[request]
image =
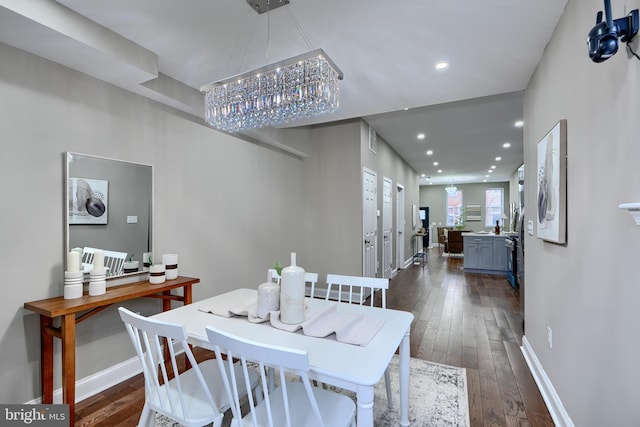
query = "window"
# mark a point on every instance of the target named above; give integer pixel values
(454, 207)
(494, 206)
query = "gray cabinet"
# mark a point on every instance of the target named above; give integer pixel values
(486, 253)
(500, 254)
(478, 252)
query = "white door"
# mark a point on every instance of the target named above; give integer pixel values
(399, 226)
(370, 223)
(387, 227)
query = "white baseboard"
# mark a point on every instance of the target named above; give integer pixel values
(408, 263)
(556, 409)
(88, 386)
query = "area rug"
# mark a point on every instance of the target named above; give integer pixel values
(438, 397)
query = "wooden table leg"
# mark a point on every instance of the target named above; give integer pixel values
(46, 359)
(68, 338)
(188, 295)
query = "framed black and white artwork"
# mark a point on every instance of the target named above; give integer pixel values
(552, 185)
(88, 201)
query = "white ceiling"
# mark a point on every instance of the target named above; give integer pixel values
(167, 49)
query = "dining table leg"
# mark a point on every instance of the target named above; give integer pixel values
(404, 369)
(364, 399)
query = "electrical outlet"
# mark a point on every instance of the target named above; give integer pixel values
(550, 336)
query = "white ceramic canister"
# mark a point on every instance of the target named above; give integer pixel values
(131, 266)
(268, 297)
(156, 274)
(73, 291)
(170, 262)
(97, 282)
(147, 259)
(292, 290)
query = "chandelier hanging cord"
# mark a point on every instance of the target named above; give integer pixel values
(227, 68)
(299, 27)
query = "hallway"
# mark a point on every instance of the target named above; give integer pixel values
(472, 321)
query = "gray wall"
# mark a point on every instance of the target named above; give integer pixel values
(435, 197)
(332, 209)
(229, 208)
(587, 290)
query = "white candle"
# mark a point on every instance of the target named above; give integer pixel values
(73, 261)
(98, 260)
(80, 252)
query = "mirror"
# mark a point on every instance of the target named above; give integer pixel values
(108, 206)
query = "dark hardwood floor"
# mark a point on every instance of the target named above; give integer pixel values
(467, 320)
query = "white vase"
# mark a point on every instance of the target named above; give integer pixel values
(292, 293)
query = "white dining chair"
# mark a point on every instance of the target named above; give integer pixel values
(310, 279)
(356, 291)
(195, 397)
(113, 261)
(293, 402)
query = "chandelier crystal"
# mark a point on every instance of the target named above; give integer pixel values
(300, 87)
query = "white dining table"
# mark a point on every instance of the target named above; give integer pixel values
(352, 367)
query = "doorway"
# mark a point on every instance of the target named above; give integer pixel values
(424, 217)
(387, 227)
(369, 222)
(400, 222)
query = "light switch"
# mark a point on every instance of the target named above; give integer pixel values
(132, 219)
(530, 227)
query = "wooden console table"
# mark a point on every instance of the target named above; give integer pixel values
(68, 310)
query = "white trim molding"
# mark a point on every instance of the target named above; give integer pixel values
(556, 409)
(94, 384)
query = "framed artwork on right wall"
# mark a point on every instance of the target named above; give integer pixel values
(552, 185)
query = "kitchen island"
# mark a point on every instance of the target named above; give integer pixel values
(485, 253)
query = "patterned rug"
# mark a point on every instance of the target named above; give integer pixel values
(438, 397)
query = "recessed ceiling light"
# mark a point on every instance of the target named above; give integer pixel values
(431, 183)
(435, 163)
(439, 170)
(429, 152)
(406, 108)
(519, 124)
(442, 65)
(486, 176)
(490, 171)
(493, 166)
(423, 175)
(498, 158)
(484, 180)
(506, 145)
(421, 136)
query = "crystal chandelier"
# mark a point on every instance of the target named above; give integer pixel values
(300, 87)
